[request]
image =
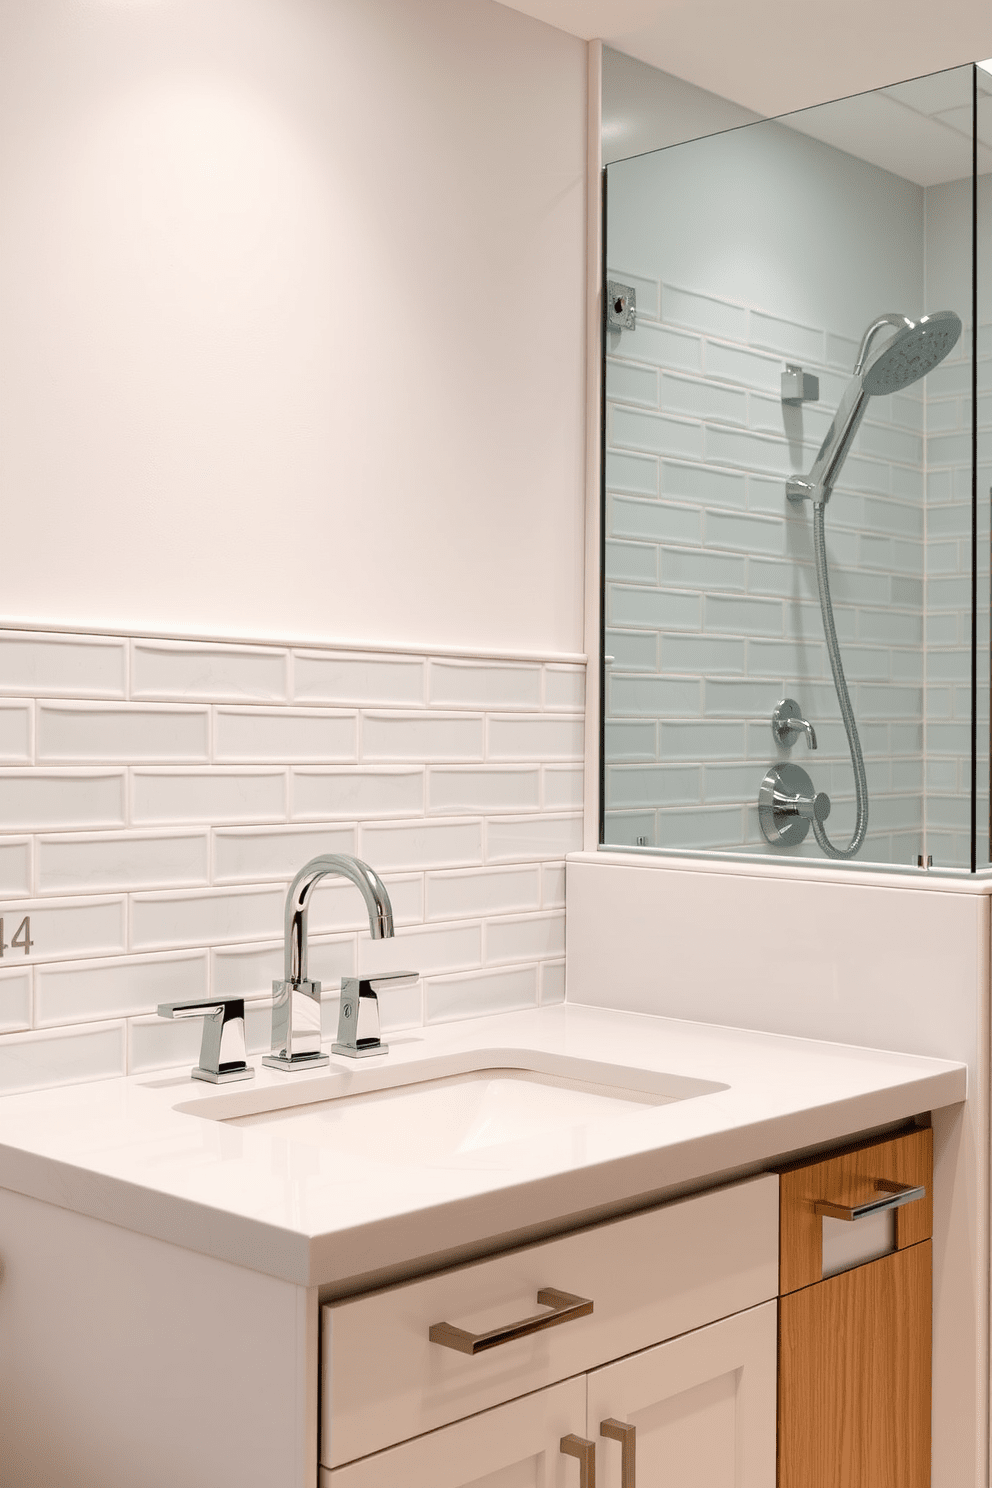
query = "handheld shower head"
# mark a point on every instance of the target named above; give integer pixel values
(913, 351)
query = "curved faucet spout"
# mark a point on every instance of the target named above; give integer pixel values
(365, 879)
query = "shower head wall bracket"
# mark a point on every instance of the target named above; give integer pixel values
(799, 386)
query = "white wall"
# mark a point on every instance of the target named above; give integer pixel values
(291, 308)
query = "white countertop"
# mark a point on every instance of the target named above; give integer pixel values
(119, 1151)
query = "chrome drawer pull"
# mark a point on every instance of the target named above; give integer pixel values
(585, 1451)
(895, 1195)
(564, 1307)
(627, 1437)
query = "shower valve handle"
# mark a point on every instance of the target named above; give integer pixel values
(788, 803)
(810, 808)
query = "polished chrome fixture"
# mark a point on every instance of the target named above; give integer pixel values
(222, 1048)
(296, 999)
(913, 350)
(799, 386)
(788, 805)
(358, 1019)
(788, 723)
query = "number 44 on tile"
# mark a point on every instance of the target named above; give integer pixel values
(20, 940)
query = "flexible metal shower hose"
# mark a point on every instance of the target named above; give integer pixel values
(843, 698)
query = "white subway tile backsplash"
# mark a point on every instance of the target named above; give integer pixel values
(453, 997)
(552, 974)
(322, 678)
(128, 732)
(440, 844)
(459, 684)
(356, 793)
(205, 916)
(215, 795)
(38, 1060)
(509, 837)
(477, 892)
(82, 991)
(16, 733)
(466, 789)
(15, 999)
(41, 800)
(34, 665)
(256, 734)
(531, 937)
(250, 854)
(423, 736)
(534, 736)
(210, 673)
(84, 862)
(173, 823)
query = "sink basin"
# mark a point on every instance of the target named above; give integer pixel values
(444, 1108)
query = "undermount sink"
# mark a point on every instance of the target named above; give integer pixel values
(448, 1107)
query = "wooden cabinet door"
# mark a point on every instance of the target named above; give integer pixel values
(702, 1407)
(512, 1446)
(854, 1377)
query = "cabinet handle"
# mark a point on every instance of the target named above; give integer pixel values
(585, 1451)
(564, 1307)
(627, 1437)
(895, 1195)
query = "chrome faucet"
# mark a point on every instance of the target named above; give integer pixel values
(296, 999)
(788, 723)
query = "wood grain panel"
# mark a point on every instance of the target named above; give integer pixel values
(854, 1377)
(850, 1178)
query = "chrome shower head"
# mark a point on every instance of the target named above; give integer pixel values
(914, 350)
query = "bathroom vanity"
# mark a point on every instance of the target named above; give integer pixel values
(232, 1287)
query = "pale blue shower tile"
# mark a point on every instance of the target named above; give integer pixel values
(627, 383)
(655, 608)
(707, 827)
(734, 364)
(786, 337)
(653, 432)
(696, 741)
(702, 483)
(652, 785)
(697, 398)
(660, 347)
(634, 562)
(652, 697)
(631, 473)
(748, 534)
(749, 452)
(760, 617)
(653, 521)
(703, 313)
(703, 655)
(726, 697)
(634, 740)
(633, 650)
(897, 518)
(701, 569)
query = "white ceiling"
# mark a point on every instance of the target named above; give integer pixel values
(774, 56)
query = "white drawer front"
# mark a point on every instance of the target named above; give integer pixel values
(650, 1277)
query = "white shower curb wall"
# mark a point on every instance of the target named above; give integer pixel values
(866, 958)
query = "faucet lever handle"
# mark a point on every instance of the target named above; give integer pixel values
(222, 1049)
(358, 1019)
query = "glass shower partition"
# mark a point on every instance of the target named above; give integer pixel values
(799, 330)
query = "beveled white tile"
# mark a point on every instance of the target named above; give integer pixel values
(562, 787)
(421, 844)
(421, 736)
(509, 838)
(73, 926)
(257, 734)
(552, 982)
(450, 998)
(356, 792)
(322, 677)
(483, 891)
(197, 917)
(16, 733)
(50, 800)
(85, 862)
(39, 1060)
(531, 937)
(251, 854)
(424, 949)
(213, 673)
(15, 865)
(250, 970)
(15, 999)
(534, 736)
(34, 663)
(218, 794)
(81, 991)
(468, 684)
(468, 788)
(106, 733)
(553, 886)
(161, 1043)
(565, 687)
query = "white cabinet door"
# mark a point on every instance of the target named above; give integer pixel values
(513, 1446)
(702, 1407)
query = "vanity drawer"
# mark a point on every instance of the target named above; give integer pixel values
(858, 1177)
(649, 1277)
